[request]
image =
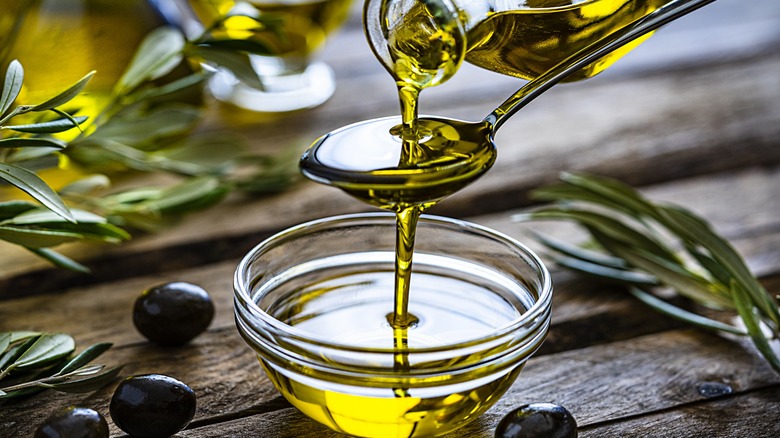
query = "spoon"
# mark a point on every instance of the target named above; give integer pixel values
(363, 159)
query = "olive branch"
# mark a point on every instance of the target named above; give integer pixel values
(146, 127)
(648, 246)
(31, 362)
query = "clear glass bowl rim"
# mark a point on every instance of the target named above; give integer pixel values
(530, 321)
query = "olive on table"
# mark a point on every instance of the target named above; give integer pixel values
(73, 422)
(173, 313)
(537, 420)
(152, 406)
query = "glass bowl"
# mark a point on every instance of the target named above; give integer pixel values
(313, 303)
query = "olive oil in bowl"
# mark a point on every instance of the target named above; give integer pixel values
(315, 304)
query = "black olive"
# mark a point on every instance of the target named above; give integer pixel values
(173, 313)
(73, 422)
(537, 420)
(152, 406)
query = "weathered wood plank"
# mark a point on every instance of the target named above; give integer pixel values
(218, 366)
(598, 383)
(229, 383)
(753, 414)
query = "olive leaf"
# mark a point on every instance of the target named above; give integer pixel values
(647, 245)
(138, 129)
(58, 259)
(9, 338)
(36, 238)
(237, 62)
(241, 45)
(50, 127)
(38, 228)
(85, 357)
(49, 363)
(157, 55)
(155, 93)
(9, 209)
(38, 215)
(86, 382)
(142, 128)
(65, 96)
(34, 186)
(48, 348)
(44, 350)
(684, 315)
(13, 353)
(31, 142)
(12, 85)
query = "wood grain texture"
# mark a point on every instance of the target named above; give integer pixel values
(692, 117)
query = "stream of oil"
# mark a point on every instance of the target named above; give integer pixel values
(407, 164)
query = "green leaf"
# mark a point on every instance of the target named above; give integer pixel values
(615, 275)
(50, 127)
(48, 348)
(85, 357)
(240, 45)
(10, 209)
(34, 157)
(170, 87)
(676, 276)
(36, 238)
(58, 259)
(86, 185)
(206, 153)
(742, 300)
(609, 226)
(66, 96)
(34, 186)
(156, 56)
(11, 355)
(167, 121)
(192, 194)
(611, 192)
(45, 234)
(684, 315)
(31, 142)
(697, 232)
(89, 383)
(238, 63)
(9, 338)
(109, 153)
(39, 216)
(718, 272)
(581, 253)
(14, 76)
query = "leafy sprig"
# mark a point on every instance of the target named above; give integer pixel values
(32, 362)
(146, 126)
(648, 245)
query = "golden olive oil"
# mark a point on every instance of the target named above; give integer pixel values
(539, 34)
(407, 167)
(449, 310)
(374, 162)
(426, 415)
(296, 29)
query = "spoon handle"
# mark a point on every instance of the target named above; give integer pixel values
(531, 90)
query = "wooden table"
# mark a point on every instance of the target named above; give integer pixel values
(691, 117)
